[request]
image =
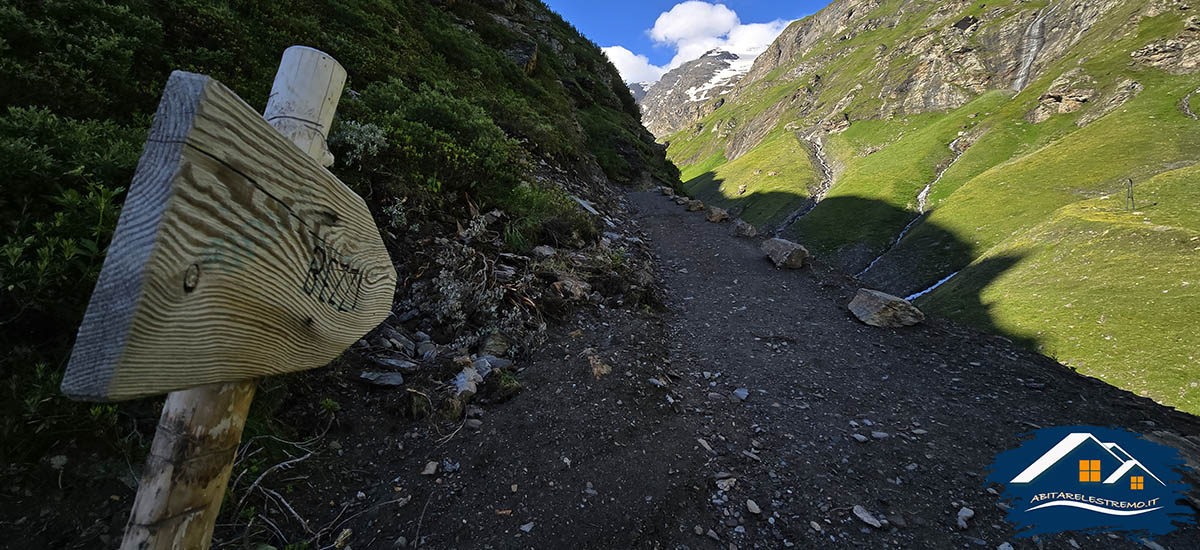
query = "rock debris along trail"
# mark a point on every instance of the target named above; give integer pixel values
(755, 412)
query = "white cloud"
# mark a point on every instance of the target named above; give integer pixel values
(693, 20)
(752, 39)
(693, 28)
(633, 67)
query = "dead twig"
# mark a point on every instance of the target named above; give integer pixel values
(284, 464)
(288, 506)
(330, 527)
(417, 537)
(445, 439)
(278, 532)
(403, 500)
(301, 444)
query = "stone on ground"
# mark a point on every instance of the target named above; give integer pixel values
(694, 205)
(964, 514)
(866, 516)
(785, 253)
(743, 229)
(880, 309)
(716, 215)
(385, 379)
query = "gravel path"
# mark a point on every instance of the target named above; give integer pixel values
(900, 422)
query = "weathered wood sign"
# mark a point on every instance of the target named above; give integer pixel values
(237, 255)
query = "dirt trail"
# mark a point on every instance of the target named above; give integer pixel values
(623, 461)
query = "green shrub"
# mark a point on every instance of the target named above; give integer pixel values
(61, 202)
(439, 142)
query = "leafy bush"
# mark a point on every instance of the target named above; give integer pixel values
(437, 142)
(61, 202)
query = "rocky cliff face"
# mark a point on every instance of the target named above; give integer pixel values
(691, 91)
(955, 53)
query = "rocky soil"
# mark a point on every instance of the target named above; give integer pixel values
(754, 412)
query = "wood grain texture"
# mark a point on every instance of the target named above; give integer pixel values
(237, 256)
(188, 468)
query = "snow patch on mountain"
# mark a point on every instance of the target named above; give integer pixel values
(721, 80)
(685, 92)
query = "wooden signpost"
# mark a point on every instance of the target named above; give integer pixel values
(237, 256)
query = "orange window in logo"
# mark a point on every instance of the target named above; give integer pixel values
(1089, 471)
(1135, 482)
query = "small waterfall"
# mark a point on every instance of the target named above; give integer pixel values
(930, 289)
(921, 198)
(1035, 38)
(822, 189)
(903, 232)
(924, 194)
(1185, 105)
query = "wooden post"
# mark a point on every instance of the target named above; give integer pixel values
(184, 479)
(192, 455)
(303, 98)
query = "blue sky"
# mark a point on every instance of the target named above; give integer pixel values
(645, 38)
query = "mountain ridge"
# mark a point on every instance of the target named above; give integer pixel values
(691, 90)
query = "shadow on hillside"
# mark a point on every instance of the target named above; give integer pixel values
(851, 233)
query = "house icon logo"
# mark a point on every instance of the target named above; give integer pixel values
(1092, 478)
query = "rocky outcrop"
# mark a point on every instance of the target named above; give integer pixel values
(1066, 94)
(524, 55)
(686, 93)
(1124, 91)
(639, 90)
(880, 309)
(1179, 55)
(785, 253)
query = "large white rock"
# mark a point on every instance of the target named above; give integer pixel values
(880, 309)
(785, 253)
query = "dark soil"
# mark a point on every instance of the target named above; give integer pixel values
(622, 459)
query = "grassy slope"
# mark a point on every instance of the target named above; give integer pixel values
(1109, 292)
(777, 175)
(891, 177)
(1020, 207)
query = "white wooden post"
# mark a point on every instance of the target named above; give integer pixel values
(191, 458)
(303, 98)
